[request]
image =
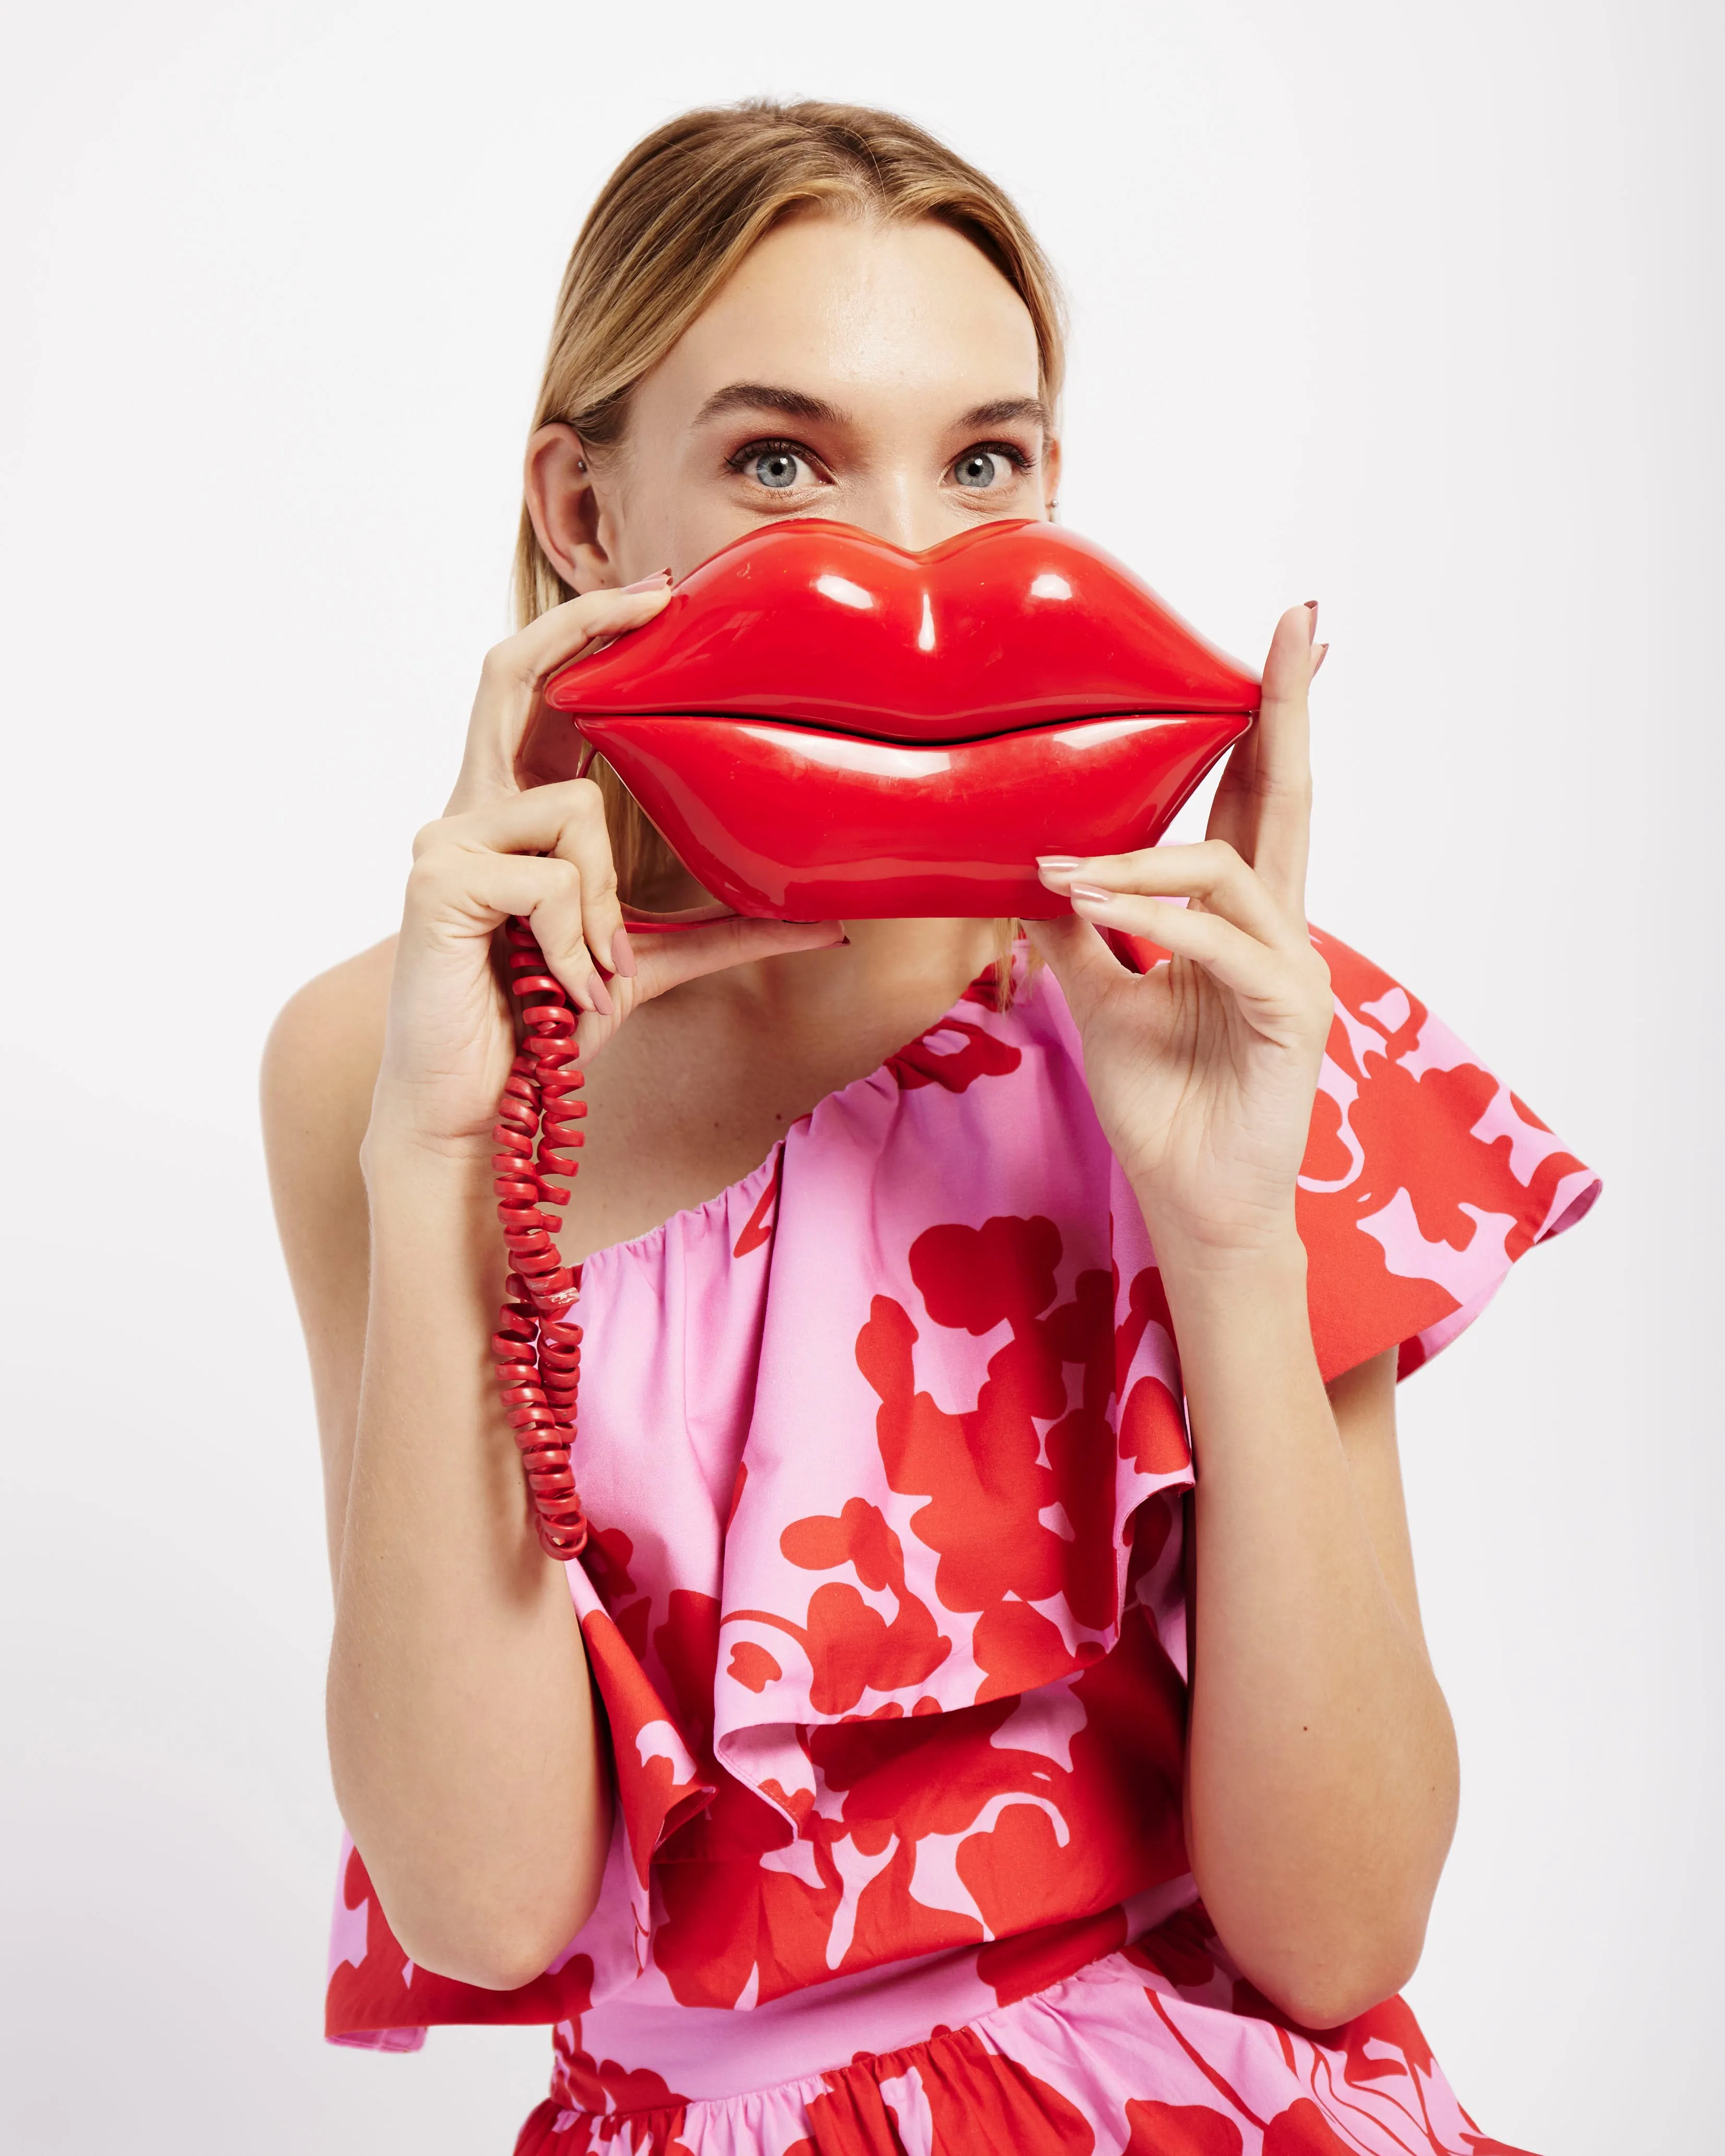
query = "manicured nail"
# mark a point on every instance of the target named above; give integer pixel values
(1322, 653)
(601, 995)
(1058, 862)
(1093, 894)
(649, 583)
(622, 955)
(1311, 625)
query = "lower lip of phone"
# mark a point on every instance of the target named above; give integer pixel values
(795, 823)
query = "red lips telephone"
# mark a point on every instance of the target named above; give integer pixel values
(824, 726)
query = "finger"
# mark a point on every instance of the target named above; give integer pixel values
(664, 962)
(566, 822)
(530, 820)
(1280, 819)
(1213, 872)
(1078, 959)
(515, 670)
(584, 841)
(470, 893)
(1231, 806)
(1239, 962)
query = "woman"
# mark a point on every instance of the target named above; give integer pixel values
(858, 1791)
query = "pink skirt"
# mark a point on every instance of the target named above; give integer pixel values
(1066, 2071)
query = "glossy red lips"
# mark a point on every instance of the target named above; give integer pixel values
(824, 726)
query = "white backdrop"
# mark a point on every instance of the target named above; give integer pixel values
(1408, 308)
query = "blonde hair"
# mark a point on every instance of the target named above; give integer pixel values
(671, 224)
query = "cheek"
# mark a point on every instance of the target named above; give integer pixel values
(675, 523)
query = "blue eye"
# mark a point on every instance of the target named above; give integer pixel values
(775, 468)
(981, 468)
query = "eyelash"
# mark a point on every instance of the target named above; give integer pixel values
(769, 446)
(1016, 457)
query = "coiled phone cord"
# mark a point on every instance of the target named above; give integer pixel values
(536, 1355)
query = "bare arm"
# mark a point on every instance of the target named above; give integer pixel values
(1320, 1775)
(463, 1731)
(320, 1070)
(1321, 1768)
(462, 1723)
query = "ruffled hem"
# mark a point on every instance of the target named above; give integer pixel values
(1116, 2060)
(1425, 1180)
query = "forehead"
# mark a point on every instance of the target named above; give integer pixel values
(849, 309)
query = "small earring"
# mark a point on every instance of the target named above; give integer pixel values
(579, 465)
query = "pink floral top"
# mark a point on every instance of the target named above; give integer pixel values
(887, 1455)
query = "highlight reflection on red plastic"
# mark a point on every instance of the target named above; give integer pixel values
(823, 726)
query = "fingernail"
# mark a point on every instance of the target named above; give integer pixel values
(1311, 625)
(1059, 862)
(622, 955)
(649, 583)
(601, 996)
(579, 996)
(1093, 894)
(1322, 653)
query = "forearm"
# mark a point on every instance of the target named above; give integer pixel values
(461, 1718)
(1321, 1767)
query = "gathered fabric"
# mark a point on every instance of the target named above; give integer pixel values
(886, 1452)
(1064, 2071)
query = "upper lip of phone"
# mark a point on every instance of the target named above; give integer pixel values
(923, 712)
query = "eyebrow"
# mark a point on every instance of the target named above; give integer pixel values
(798, 404)
(768, 397)
(1005, 410)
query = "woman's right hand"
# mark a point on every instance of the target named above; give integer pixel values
(542, 852)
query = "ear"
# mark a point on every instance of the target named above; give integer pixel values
(569, 515)
(1051, 475)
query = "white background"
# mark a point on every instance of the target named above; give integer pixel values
(1408, 308)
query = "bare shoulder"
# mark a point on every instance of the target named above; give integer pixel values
(323, 1051)
(320, 1067)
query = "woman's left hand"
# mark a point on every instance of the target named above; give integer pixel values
(1204, 1070)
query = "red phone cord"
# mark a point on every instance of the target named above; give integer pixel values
(536, 1355)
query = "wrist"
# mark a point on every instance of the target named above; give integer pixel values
(1261, 1250)
(1240, 1317)
(432, 1218)
(399, 1162)
(1222, 1275)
